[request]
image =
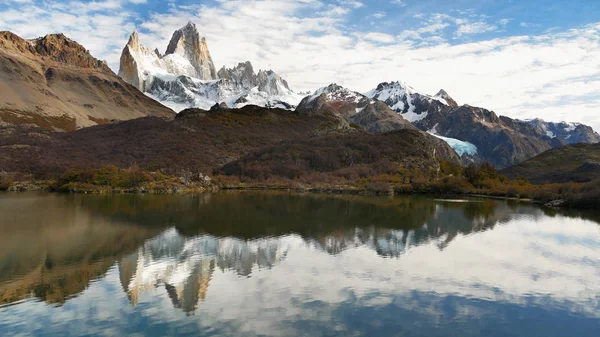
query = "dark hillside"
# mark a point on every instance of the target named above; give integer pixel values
(350, 156)
(201, 141)
(571, 163)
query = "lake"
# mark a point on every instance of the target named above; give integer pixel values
(282, 264)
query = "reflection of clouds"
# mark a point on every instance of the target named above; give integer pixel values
(551, 263)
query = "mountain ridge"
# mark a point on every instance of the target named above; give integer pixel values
(55, 83)
(185, 76)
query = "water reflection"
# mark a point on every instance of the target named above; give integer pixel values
(185, 265)
(281, 264)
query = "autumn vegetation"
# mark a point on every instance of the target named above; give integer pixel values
(256, 148)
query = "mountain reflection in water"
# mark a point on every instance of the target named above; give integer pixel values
(274, 258)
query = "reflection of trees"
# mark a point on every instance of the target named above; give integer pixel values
(256, 214)
(54, 250)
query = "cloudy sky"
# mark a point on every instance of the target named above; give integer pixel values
(536, 58)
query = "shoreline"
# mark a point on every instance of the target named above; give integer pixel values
(47, 186)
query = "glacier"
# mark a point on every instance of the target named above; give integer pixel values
(461, 147)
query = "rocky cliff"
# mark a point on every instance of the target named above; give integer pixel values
(55, 83)
(185, 76)
(187, 43)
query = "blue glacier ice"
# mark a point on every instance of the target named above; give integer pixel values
(461, 147)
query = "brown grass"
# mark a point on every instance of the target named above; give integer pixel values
(51, 123)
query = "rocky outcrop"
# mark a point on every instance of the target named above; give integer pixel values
(188, 43)
(56, 47)
(141, 66)
(55, 83)
(241, 76)
(271, 83)
(129, 68)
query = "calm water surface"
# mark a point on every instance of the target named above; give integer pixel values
(269, 264)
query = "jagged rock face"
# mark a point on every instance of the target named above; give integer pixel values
(55, 83)
(62, 49)
(188, 43)
(238, 87)
(57, 47)
(353, 107)
(141, 66)
(129, 67)
(271, 83)
(185, 76)
(241, 76)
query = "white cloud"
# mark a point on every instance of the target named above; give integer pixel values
(400, 3)
(351, 3)
(475, 28)
(504, 22)
(378, 15)
(379, 37)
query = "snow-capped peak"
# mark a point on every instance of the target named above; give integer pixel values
(271, 83)
(335, 92)
(444, 98)
(185, 76)
(406, 100)
(188, 43)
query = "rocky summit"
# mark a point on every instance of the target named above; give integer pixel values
(185, 76)
(187, 42)
(55, 83)
(352, 107)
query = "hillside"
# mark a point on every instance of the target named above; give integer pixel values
(576, 163)
(196, 140)
(54, 83)
(350, 156)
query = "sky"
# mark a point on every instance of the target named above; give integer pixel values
(523, 59)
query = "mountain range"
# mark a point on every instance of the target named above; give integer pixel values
(55, 84)
(185, 76)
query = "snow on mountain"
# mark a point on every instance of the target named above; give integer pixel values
(570, 133)
(406, 100)
(353, 108)
(186, 77)
(335, 92)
